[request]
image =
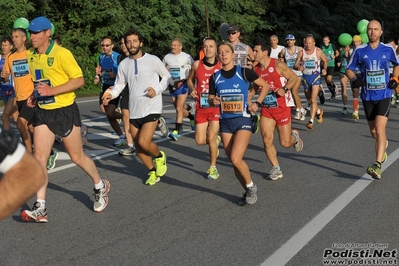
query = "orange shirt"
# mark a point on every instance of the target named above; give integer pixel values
(17, 65)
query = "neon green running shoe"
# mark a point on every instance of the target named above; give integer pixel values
(152, 178)
(375, 171)
(213, 173)
(160, 164)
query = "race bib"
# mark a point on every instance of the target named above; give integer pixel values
(106, 77)
(232, 104)
(175, 73)
(204, 100)
(43, 99)
(310, 64)
(375, 79)
(20, 68)
(291, 63)
(270, 101)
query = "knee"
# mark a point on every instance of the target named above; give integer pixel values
(77, 158)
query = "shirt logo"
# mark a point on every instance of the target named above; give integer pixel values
(50, 61)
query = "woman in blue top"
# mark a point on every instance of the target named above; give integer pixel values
(228, 89)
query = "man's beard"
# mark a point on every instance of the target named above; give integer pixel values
(135, 52)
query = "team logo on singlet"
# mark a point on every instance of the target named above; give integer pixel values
(271, 69)
(50, 61)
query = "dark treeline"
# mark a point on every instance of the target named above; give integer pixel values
(82, 23)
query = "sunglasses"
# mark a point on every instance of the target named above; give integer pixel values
(290, 40)
(106, 45)
(232, 32)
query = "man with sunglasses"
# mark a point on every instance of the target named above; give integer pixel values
(106, 70)
(243, 52)
(289, 55)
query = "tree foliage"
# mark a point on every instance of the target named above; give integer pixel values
(82, 23)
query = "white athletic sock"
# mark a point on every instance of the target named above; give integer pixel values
(42, 203)
(99, 185)
(250, 184)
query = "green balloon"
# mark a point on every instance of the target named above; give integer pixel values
(344, 39)
(362, 25)
(365, 38)
(52, 29)
(21, 23)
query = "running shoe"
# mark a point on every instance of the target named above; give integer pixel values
(319, 117)
(127, 152)
(192, 124)
(192, 108)
(385, 157)
(218, 140)
(355, 116)
(174, 135)
(344, 111)
(298, 114)
(152, 178)
(101, 196)
(249, 197)
(213, 173)
(255, 123)
(121, 141)
(397, 103)
(309, 106)
(393, 99)
(303, 114)
(322, 98)
(51, 160)
(160, 164)
(37, 214)
(298, 145)
(85, 134)
(309, 125)
(163, 127)
(275, 174)
(374, 170)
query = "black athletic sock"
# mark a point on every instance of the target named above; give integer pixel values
(190, 116)
(178, 126)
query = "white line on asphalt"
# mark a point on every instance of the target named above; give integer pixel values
(288, 250)
(101, 154)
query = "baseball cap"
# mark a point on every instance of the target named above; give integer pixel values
(290, 37)
(233, 28)
(39, 24)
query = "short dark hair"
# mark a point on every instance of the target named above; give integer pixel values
(133, 32)
(264, 46)
(7, 39)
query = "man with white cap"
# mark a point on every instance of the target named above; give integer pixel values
(289, 55)
(56, 75)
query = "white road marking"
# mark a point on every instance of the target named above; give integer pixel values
(288, 250)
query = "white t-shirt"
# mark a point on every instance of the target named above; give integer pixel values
(275, 52)
(140, 74)
(178, 65)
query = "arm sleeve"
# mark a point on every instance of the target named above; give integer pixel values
(212, 89)
(249, 74)
(120, 83)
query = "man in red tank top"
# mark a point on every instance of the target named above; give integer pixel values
(276, 107)
(207, 117)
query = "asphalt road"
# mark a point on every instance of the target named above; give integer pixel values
(324, 201)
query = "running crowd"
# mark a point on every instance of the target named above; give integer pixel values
(238, 90)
